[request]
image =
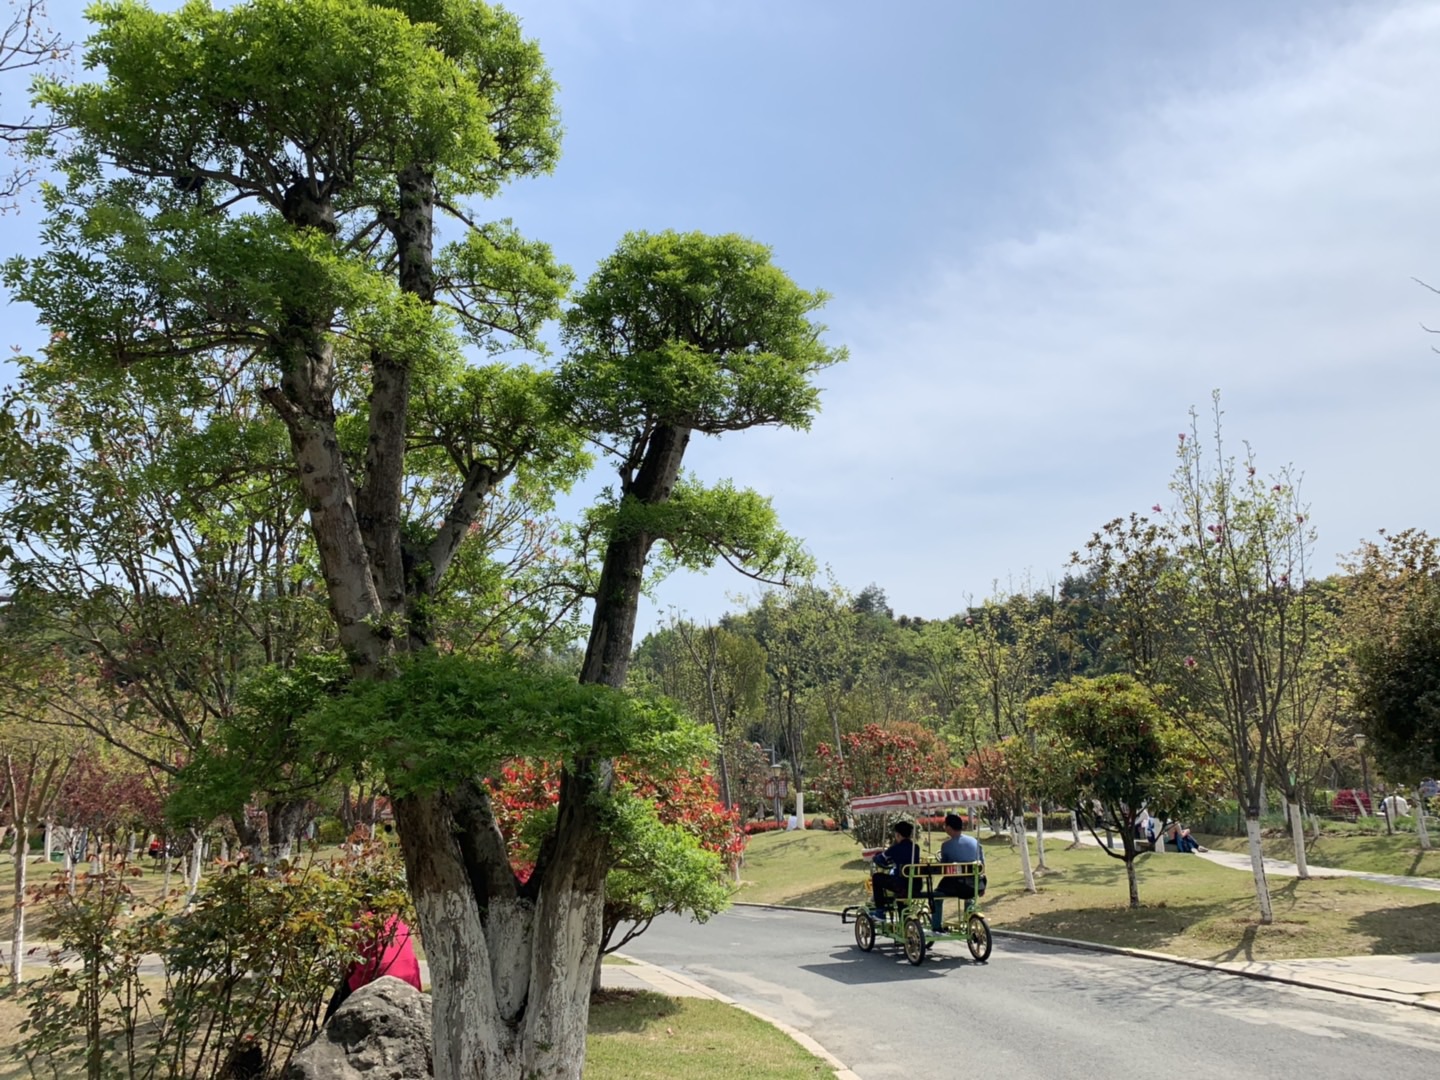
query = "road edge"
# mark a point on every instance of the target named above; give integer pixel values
(1390, 996)
(841, 1070)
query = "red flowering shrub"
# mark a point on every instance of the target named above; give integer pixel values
(880, 759)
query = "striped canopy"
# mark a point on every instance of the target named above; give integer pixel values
(922, 799)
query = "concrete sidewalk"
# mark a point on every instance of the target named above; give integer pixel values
(1280, 868)
(1413, 979)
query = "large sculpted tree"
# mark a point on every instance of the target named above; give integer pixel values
(263, 183)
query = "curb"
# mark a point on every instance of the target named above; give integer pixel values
(842, 1071)
(1389, 996)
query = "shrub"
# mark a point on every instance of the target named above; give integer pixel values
(250, 963)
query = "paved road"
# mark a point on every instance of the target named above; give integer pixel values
(1035, 1011)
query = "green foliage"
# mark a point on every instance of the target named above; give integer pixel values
(1398, 689)
(445, 719)
(1109, 749)
(659, 868)
(696, 331)
(258, 751)
(250, 963)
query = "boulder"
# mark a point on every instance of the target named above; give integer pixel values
(381, 1032)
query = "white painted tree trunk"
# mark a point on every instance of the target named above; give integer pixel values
(70, 861)
(165, 881)
(1257, 867)
(197, 860)
(1017, 828)
(1040, 835)
(49, 841)
(1420, 830)
(800, 809)
(1297, 833)
(1074, 830)
(17, 935)
(224, 850)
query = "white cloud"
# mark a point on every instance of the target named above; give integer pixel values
(1256, 235)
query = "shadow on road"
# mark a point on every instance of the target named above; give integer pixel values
(885, 965)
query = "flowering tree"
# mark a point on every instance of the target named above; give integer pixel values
(1243, 543)
(877, 759)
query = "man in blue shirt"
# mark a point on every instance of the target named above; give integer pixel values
(888, 881)
(962, 849)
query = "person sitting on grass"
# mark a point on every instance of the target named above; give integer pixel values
(1183, 841)
(888, 880)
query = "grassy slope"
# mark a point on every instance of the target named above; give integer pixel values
(1190, 906)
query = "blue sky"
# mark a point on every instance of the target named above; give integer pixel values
(1049, 229)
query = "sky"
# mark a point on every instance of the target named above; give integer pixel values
(1048, 230)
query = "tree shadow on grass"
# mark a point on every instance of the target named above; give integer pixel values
(614, 1011)
(1245, 946)
(1414, 929)
(1145, 927)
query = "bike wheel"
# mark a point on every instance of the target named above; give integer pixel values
(864, 931)
(977, 936)
(914, 941)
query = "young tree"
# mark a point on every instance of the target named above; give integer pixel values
(1115, 754)
(1244, 545)
(33, 767)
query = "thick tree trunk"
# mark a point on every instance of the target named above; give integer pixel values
(1017, 829)
(1257, 868)
(612, 632)
(17, 934)
(472, 1037)
(1297, 834)
(511, 985)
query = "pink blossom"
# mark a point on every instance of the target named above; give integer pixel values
(1155, 509)
(1182, 436)
(1189, 661)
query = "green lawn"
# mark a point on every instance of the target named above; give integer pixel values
(633, 1036)
(1190, 906)
(645, 1036)
(1348, 850)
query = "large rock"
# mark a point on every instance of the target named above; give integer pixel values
(382, 1032)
